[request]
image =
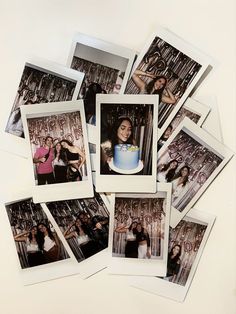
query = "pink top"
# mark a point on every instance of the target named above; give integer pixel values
(44, 167)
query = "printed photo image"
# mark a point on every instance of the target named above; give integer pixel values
(84, 224)
(59, 151)
(139, 227)
(139, 233)
(186, 244)
(192, 109)
(190, 160)
(36, 241)
(168, 67)
(126, 130)
(106, 68)
(57, 146)
(42, 82)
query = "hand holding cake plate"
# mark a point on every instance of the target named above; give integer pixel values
(126, 159)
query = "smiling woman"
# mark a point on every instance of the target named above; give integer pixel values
(122, 133)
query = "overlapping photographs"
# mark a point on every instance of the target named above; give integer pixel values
(58, 151)
(106, 67)
(190, 160)
(169, 67)
(194, 110)
(127, 136)
(84, 224)
(41, 82)
(186, 243)
(139, 233)
(41, 253)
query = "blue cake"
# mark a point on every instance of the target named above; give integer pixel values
(126, 156)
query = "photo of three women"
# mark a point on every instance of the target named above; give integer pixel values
(41, 244)
(137, 240)
(59, 163)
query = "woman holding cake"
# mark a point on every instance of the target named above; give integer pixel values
(122, 133)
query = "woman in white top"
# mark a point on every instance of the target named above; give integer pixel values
(180, 184)
(34, 254)
(49, 243)
(131, 247)
(87, 245)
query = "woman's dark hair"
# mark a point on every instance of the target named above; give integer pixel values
(76, 228)
(30, 234)
(179, 174)
(170, 174)
(139, 223)
(115, 127)
(90, 98)
(130, 227)
(150, 86)
(62, 153)
(41, 235)
(176, 258)
(67, 142)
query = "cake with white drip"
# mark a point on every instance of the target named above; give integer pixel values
(126, 156)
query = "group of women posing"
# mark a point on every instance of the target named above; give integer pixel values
(180, 180)
(67, 162)
(42, 245)
(137, 241)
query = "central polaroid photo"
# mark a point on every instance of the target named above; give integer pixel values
(58, 151)
(127, 136)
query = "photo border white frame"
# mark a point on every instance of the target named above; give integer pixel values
(135, 266)
(214, 145)
(189, 50)
(172, 290)
(44, 272)
(59, 191)
(107, 47)
(18, 145)
(95, 263)
(136, 183)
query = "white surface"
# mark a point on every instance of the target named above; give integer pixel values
(46, 28)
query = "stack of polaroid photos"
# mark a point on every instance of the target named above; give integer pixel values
(118, 158)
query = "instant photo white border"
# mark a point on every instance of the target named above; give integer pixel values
(198, 108)
(172, 290)
(94, 264)
(45, 272)
(59, 191)
(204, 138)
(126, 183)
(135, 266)
(17, 145)
(184, 47)
(111, 48)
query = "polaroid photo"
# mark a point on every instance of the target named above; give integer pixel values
(169, 67)
(41, 253)
(192, 109)
(58, 151)
(41, 81)
(139, 233)
(127, 136)
(186, 243)
(190, 160)
(84, 224)
(106, 67)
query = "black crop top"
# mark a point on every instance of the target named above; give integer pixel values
(72, 156)
(141, 236)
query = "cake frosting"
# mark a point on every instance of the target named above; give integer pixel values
(126, 156)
